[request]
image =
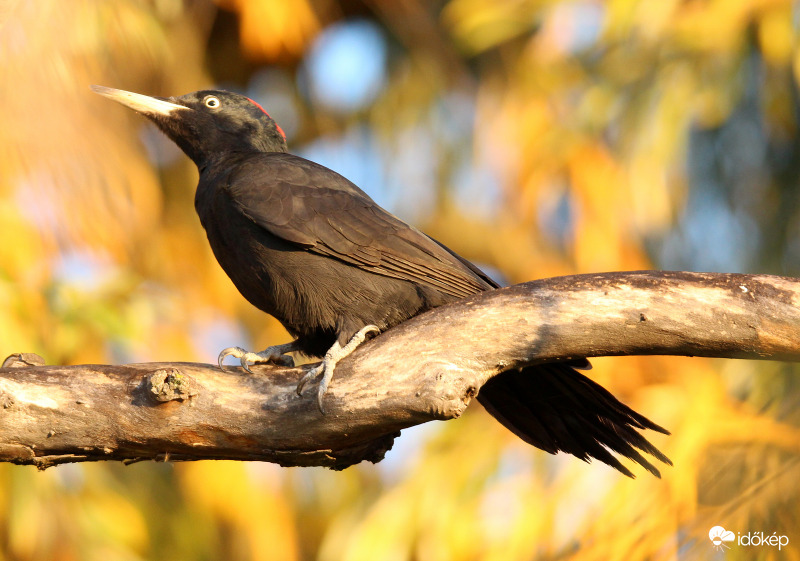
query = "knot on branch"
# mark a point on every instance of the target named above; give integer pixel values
(448, 389)
(168, 384)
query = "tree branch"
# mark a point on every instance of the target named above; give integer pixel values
(427, 368)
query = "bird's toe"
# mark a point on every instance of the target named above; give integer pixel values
(246, 358)
(236, 352)
(310, 375)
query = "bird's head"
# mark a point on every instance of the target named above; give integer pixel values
(207, 123)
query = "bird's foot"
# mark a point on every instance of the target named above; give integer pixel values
(332, 357)
(275, 353)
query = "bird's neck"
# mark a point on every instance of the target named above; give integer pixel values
(210, 164)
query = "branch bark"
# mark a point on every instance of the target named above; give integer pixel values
(427, 368)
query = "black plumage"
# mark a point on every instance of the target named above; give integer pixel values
(304, 244)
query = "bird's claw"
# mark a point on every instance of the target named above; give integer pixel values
(270, 354)
(332, 357)
(325, 368)
(307, 377)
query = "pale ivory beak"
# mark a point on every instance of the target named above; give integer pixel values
(138, 102)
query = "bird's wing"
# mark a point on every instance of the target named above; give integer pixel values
(318, 209)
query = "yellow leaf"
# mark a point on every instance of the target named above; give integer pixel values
(777, 35)
(271, 29)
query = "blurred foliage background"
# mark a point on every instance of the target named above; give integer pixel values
(535, 137)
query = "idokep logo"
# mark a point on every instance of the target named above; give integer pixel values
(719, 535)
(720, 538)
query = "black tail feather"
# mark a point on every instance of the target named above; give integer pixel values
(557, 409)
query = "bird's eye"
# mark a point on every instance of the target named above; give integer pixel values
(211, 102)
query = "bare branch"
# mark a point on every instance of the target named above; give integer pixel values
(428, 368)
